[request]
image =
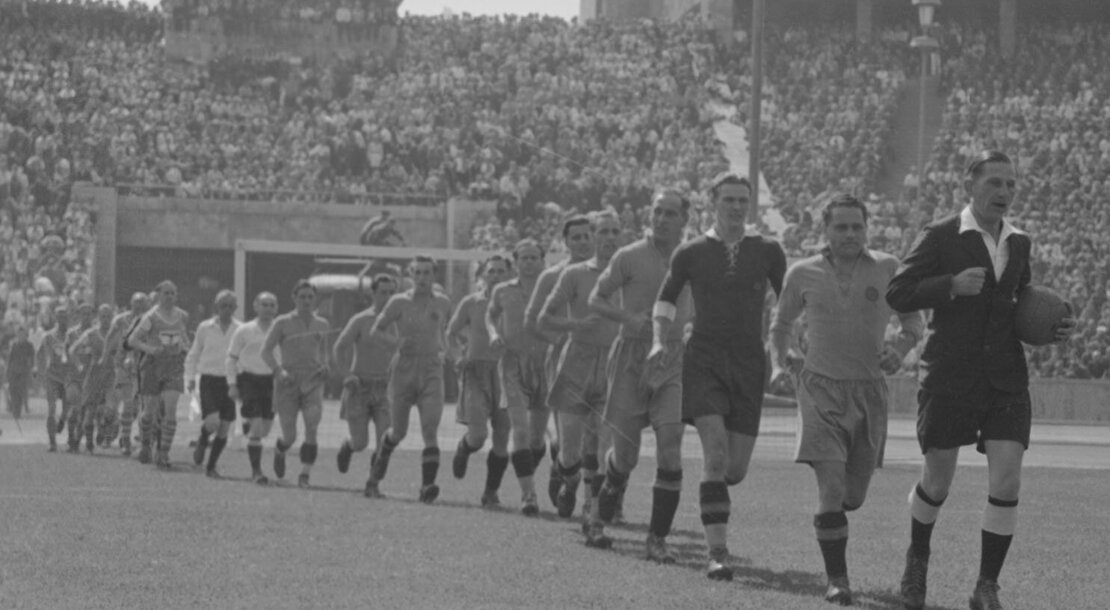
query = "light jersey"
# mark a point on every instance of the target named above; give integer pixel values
(544, 285)
(573, 289)
(845, 321)
(372, 355)
(729, 286)
(420, 322)
(635, 273)
(244, 351)
(471, 316)
(93, 343)
(511, 298)
(58, 364)
(166, 330)
(302, 344)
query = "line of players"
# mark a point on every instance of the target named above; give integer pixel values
(608, 342)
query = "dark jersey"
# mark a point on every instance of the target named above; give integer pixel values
(728, 286)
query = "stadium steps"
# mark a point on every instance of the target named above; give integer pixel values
(903, 143)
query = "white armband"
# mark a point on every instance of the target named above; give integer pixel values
(664, 309)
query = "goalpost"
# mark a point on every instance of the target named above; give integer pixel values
(245, 247)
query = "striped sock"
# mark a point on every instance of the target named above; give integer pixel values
(664, 501)
(169, 428)
(923, 513)
(430, 466)
(832, 537)
(999, 522)
(715, 509)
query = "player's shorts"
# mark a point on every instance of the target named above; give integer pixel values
(214, 398)
(257, 395)
(364, 398)
(301, 390)
(551, 361)
(97, 382)
(481, 392)
(982, 413)
(126, 379)
(640, 394)
(159, 374)
(721, 380)
(416, 380)
(523, 379)
(580, 385)
(841, 421)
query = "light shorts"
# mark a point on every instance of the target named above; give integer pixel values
(523, 380)
(580, 386)
(481, 392)
(416, 380)
(364, 398)
(303, 390)
(841, 421)
(639, 394)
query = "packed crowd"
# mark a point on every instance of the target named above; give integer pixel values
(1047, 107)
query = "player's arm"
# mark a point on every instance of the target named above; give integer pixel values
(666, 304)
(789, 309)
(390, 315)
(612, 279)
(343, 350)
(919, 282)
(112, 341)
(459, 322)
(80, 345)
(777, 270)
(231, 362)
(139, 337)
(539, 296)
(193, 357)
(493, 316)
(324, 354)
(552, 316)
(273, 339)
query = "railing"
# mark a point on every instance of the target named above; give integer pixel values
(281, 195)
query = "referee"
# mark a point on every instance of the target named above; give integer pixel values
(207, 358)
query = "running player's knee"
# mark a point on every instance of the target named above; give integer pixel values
(735, 476)
(853, 502)
(669, 458)
(590, 462)
(476, 437)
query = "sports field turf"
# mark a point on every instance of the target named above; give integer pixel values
(105, 532)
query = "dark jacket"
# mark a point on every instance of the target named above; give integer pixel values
(973, 336)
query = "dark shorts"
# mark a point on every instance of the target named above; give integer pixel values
(719, 380)
(214, 398)
(257, 394)
(982, 413)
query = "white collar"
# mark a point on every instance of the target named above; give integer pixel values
(968, 222)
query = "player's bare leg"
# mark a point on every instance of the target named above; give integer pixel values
(1004, 463)
(523, 458)
(596, 441)
(312, 412)
(381, 424)
(620, 460)
(168, 427)
(128, 413)
(389, 440)
(476, 434)
(726, 463)
(51, 422)
(831, 524)
(430, 415)
(497, 461)
(569, 461)
(258, 430)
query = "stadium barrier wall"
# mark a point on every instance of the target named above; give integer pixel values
(1070, 400)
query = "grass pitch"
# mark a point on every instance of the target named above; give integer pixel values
(105, 532)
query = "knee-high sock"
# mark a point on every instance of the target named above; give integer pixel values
(524, 465)
(146, 426)
(127, 417)
(218, 445)
(308, 456)
(832, 537)
(923, 513)
(429, 467)
(169, 428)
(254, 454)
(999, 522)
(715, 509)
(664, 501)
(616, 478)
(495, 470)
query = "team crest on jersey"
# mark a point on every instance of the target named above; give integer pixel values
(871, 293)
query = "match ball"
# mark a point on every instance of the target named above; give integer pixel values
(1039, 310)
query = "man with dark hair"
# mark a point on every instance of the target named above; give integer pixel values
(520, 368)
(365, 359)
(841, 391)
(578, 238)
(300, 376)
(580, 384)
(96, 373)
(642, 395)
(480, 406)
(724, 362)
(970, 269)
(416, 377)
(126, 361)
(53, 357)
